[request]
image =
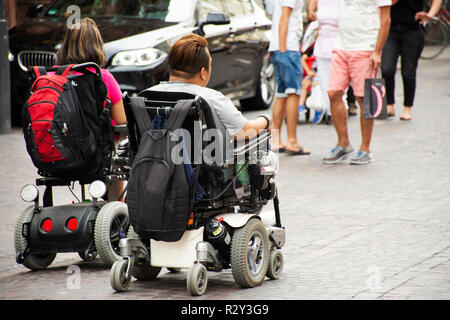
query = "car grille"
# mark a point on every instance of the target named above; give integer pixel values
(36, 58)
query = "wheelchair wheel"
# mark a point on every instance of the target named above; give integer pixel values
(117, 276)
(250, 254)
(110, 226)
(275, 264)
(87, 256)
(141, 272)
(197, 280)
(31, 261)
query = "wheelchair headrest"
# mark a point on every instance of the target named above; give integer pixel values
(162, 97)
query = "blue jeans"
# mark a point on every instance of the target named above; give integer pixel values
(288, 72)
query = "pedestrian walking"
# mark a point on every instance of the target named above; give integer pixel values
(362, 32)
(406, 40)
(284, 48)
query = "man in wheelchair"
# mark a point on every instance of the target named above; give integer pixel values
(221, 227)
(190, 70)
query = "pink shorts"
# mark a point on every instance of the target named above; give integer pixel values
(350, 66)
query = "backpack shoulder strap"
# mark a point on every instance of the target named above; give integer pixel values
(64, 70)
(140, 114)
(39, 71)
(178, 114)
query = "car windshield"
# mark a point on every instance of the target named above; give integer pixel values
(164, 10)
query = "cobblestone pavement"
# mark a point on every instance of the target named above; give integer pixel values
(380, 231)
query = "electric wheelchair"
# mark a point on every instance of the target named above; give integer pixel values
(92, 226)
(225, 228)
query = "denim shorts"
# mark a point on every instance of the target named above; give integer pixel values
(288, 72)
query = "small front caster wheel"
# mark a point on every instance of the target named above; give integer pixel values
(197, 280)
(275, 264)
(117, 276)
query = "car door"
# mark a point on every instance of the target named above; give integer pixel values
(218, 45)
(247, 48)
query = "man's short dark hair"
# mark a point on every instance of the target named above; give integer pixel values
(188, 56)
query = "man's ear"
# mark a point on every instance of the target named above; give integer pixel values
(203, 73)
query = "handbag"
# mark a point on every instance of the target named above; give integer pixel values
(314, 101)
(375, 103)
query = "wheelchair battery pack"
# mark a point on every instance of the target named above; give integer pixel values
(65, 228)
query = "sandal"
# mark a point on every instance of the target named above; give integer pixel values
(279, 150)
(300, 152)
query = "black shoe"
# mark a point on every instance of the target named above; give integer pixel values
(352, 109)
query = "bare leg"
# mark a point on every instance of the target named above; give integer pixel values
(279, 112)
(291, 122)
(115, 190)
(306, 83)
(390, 110)
(406, 115)
(339, 117)
(366, 128)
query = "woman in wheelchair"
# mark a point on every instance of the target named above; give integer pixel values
(85, 44)
(190, 70)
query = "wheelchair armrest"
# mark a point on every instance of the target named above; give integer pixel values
(260, 142)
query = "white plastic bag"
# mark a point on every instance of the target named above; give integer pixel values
(314, 101)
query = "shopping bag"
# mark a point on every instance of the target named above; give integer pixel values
(375, 104)
(314, 101)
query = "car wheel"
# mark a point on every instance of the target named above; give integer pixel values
(265, 89)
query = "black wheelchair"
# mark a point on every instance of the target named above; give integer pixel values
(226, 228)
(92, 226)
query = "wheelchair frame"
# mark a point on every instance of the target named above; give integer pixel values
(36, 246)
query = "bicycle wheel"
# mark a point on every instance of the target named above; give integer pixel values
(436, 38)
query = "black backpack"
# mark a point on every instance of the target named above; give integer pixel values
(67, 123)
(158, 197)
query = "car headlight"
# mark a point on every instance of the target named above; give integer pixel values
(141, 57)
(29, 193)
(97, 189)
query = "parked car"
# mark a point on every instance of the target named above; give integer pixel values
(138, 35)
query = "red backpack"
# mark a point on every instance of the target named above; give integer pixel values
(61, 125)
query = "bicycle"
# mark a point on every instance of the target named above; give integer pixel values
(436, 33)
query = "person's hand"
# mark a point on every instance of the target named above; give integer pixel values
(312, 16)
(375, 60)
(311, 74)
(422, 17)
